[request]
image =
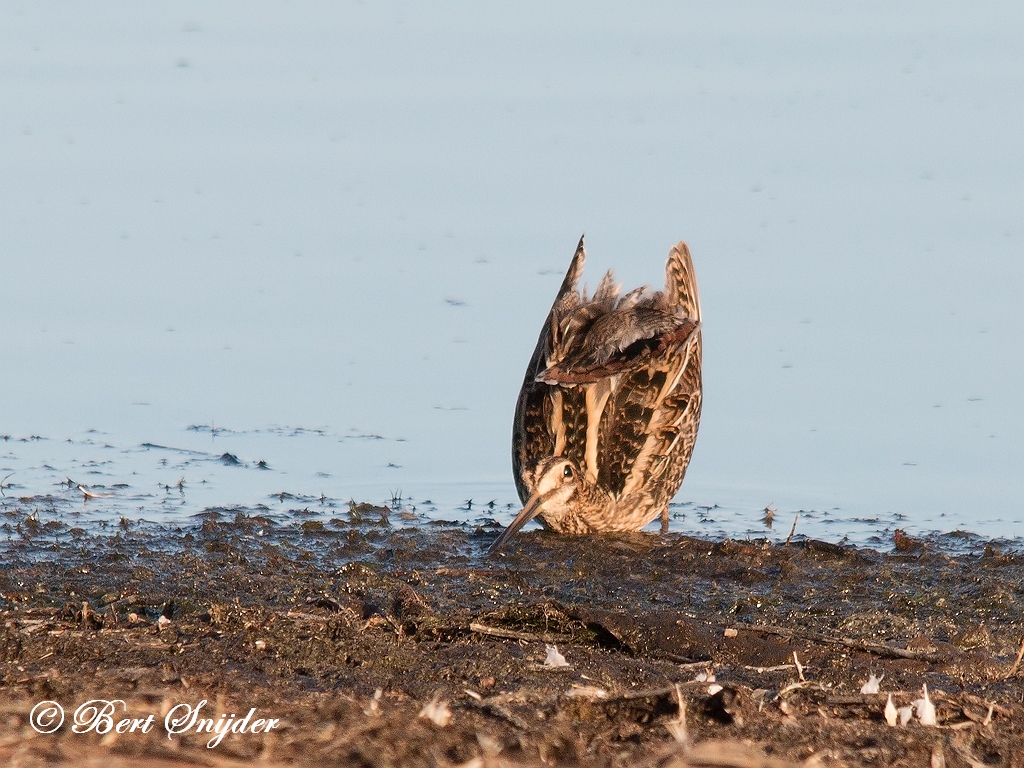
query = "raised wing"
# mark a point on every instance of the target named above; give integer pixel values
(534, 428)
(614, 383)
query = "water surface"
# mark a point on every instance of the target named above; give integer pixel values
(324, 237)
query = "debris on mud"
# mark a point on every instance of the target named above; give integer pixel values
(353, 642)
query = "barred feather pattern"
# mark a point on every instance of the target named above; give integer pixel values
(614, 385)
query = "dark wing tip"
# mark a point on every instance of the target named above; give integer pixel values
(575, 271)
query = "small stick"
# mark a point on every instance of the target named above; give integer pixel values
(860, 645)
(800, 686)
(792, 531)
(93, 495)
(1016, 664)
(776, 668)
(683, 666)
(510, 634)
(2, 486)
(677, 727)
(799, 668)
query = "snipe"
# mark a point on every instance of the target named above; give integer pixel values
(608, 413)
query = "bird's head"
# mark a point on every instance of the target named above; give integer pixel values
(555, 482)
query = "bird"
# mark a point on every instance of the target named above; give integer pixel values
(607, 417)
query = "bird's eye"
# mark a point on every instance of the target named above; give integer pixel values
(567, 472)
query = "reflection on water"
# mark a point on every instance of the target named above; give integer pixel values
(355, 218)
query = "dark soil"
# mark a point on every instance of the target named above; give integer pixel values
(350, 631)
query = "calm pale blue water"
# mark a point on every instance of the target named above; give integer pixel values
(324, 236)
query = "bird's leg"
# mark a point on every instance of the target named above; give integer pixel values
(664, 520)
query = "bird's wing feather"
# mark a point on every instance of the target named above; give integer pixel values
(637, 361)
(641, 418)
(538, 419)
(650, 422)
(681, 281)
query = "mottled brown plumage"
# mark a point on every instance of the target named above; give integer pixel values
(607, 417)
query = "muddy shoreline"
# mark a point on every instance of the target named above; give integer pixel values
(381, 646)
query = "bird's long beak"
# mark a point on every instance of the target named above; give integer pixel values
(533, 506)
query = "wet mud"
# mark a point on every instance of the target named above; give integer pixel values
(375, 645)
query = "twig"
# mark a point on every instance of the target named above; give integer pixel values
(792, 531)
(510, 634)
(682, 666)
(799, 668)
(861, 645)
(677, 727)
(965, 754)
(1016, 664)
(93, 495)
(798, 686)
